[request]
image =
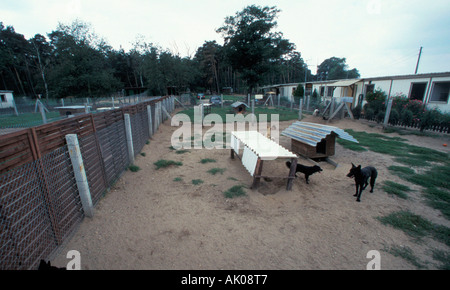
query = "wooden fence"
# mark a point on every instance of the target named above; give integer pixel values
(39, 200)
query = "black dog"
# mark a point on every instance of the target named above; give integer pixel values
(362, 178)
(307, 170)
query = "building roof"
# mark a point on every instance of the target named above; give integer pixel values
(312, 133)
(349, 82)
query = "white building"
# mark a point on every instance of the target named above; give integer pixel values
(6, 99)
(433, 88)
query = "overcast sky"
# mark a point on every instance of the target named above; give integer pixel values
(378, 37)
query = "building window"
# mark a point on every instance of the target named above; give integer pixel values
(441, 92)
(417, 91)
(322, 91)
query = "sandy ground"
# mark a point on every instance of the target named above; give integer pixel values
(150, 221)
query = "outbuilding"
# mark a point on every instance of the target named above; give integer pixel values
(6, 99)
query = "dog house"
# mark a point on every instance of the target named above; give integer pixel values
(315, 140)
(72, 110)
(239, 107)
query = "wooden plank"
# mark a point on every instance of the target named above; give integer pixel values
(258, 171)
(292, 172)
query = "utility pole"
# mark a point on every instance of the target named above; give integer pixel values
(418, 60)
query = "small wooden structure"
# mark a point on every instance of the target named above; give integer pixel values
(72, 110)
(314, 140)
(256, 149)
(239, 107)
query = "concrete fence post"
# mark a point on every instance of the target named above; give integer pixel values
(300, 109)
(388, 113)
(150, 123)
(80, 174)
(129, 138)
(41, 109)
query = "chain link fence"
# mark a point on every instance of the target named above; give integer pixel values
(40, 204)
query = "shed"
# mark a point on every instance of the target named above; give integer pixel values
(239, 107)
(72, 110)
(315, 140)
(6, 99)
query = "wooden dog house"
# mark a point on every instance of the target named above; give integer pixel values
(239, 107)
(314, 140)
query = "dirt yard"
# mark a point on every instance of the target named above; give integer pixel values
(149, 221)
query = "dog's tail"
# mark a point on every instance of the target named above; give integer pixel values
(373, 177)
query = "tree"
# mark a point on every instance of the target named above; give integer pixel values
(335, 68)
(42, 54)
(251, 45)
(81, 67)
(207, 60)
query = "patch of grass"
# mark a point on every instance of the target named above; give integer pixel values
(207, 160)
(27, 119)
(401, 170)
(232, 178)
(214, 171)
(412, 224)
(197, 181)
(234, 191)
(143, 154)
(396, 189)
(443, 257)
(407, 254)
(134, 168)
(178, 179)
(165, 163)
(351, 145)
(147, 142)
(181, 151)
(416, 226)
(394, 146)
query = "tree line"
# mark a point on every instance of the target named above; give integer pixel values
(72, 61)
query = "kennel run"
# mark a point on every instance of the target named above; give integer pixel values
(256, 149)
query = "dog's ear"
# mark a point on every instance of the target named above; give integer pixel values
(359, 167)
(353, 165)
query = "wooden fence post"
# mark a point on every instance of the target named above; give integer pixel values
(129, 138)
(80, 174)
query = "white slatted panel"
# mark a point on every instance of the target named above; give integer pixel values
(264, 147)
(249, 160)
(235, 144)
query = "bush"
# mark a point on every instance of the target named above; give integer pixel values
(380, 116)
(369, 113)
(406, 117)
(376, 101)
(430, 118)
(356, 112)
(394, 117)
